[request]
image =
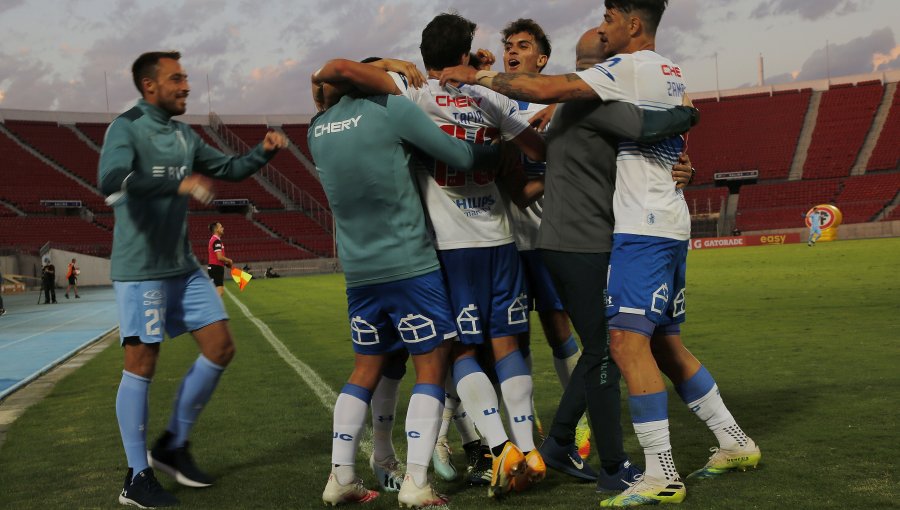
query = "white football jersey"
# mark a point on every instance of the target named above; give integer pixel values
(646, 201)
(464, 207)
(527, 222)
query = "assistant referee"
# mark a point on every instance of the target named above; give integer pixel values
(217, 259)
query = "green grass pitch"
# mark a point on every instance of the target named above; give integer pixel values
(803, 343)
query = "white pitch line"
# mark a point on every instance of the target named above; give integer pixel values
(319, 387)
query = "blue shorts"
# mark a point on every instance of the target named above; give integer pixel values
(542, 293)
(175, 305)
(388, 316)
(487, 292)
(646, 283)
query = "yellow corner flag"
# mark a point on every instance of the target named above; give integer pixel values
(241, 278)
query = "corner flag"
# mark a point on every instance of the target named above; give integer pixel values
(240, 277)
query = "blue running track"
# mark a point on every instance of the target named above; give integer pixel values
(35, 338)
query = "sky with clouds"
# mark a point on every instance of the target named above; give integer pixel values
(257, 56)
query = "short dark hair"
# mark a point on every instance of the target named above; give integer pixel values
(650, 11)
(212, 226)
(530, 26)
(445, 40)
(146, 66)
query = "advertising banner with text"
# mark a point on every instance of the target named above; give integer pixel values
(741, 241)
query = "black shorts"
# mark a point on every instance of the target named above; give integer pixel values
(216, 274)
(73, 280)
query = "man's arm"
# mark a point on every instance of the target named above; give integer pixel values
(213, 163)
(512, 180)
(532, 87)
(532, 144)
(340, 76)
(369, 79)
(414, 126)
(118, 179)
(629, 122)
(223, 259)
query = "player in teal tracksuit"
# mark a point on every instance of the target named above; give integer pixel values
(150, 167)
(395, 292)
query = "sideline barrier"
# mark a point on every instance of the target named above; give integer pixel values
(741, 241)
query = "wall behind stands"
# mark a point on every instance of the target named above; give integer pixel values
(22, 264)
(94, 270)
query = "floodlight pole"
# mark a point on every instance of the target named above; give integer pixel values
(717, 72)
(827, 64)
(106, 89)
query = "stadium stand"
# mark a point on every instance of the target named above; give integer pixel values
(300, 229)
(297, 134)
(27, 180)
(862, 197)
(244, 241)
(59, 144)
(704, 200)
(845, 116)
(93, 130)
(284, 161)
(886, 155)
(29, 233)
(748, 132)
(781, 204)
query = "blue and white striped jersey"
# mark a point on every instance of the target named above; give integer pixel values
(646, 201)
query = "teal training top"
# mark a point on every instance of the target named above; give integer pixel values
(145, 157)
(363, 164)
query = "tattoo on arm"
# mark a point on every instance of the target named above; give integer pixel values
(534, 87)
(516, 85)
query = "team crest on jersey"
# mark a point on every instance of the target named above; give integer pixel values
(468, 321)
(416, 328)
(651, 219)
(362, 332)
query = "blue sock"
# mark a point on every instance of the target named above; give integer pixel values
(649, 407)
(567, 349)
(195, 391)
(132, 402)
(698, 385)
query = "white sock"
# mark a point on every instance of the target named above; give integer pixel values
(517, 399)
(349, 421)
(423, 420)
(564, 368)
(464, 425)
(711, 409)
(384, 406)
(478, 396)
(654, 439)
(454, 410)
(565, 357)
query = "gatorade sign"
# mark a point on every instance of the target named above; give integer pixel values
(741, 241)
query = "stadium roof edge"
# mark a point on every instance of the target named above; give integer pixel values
(62, 117)
(824, 84)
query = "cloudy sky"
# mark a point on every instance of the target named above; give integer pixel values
(257, 56)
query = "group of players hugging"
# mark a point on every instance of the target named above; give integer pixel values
(462, 203)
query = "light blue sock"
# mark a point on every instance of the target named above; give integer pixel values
(567, 349)
(195, 391)
(132, 403)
